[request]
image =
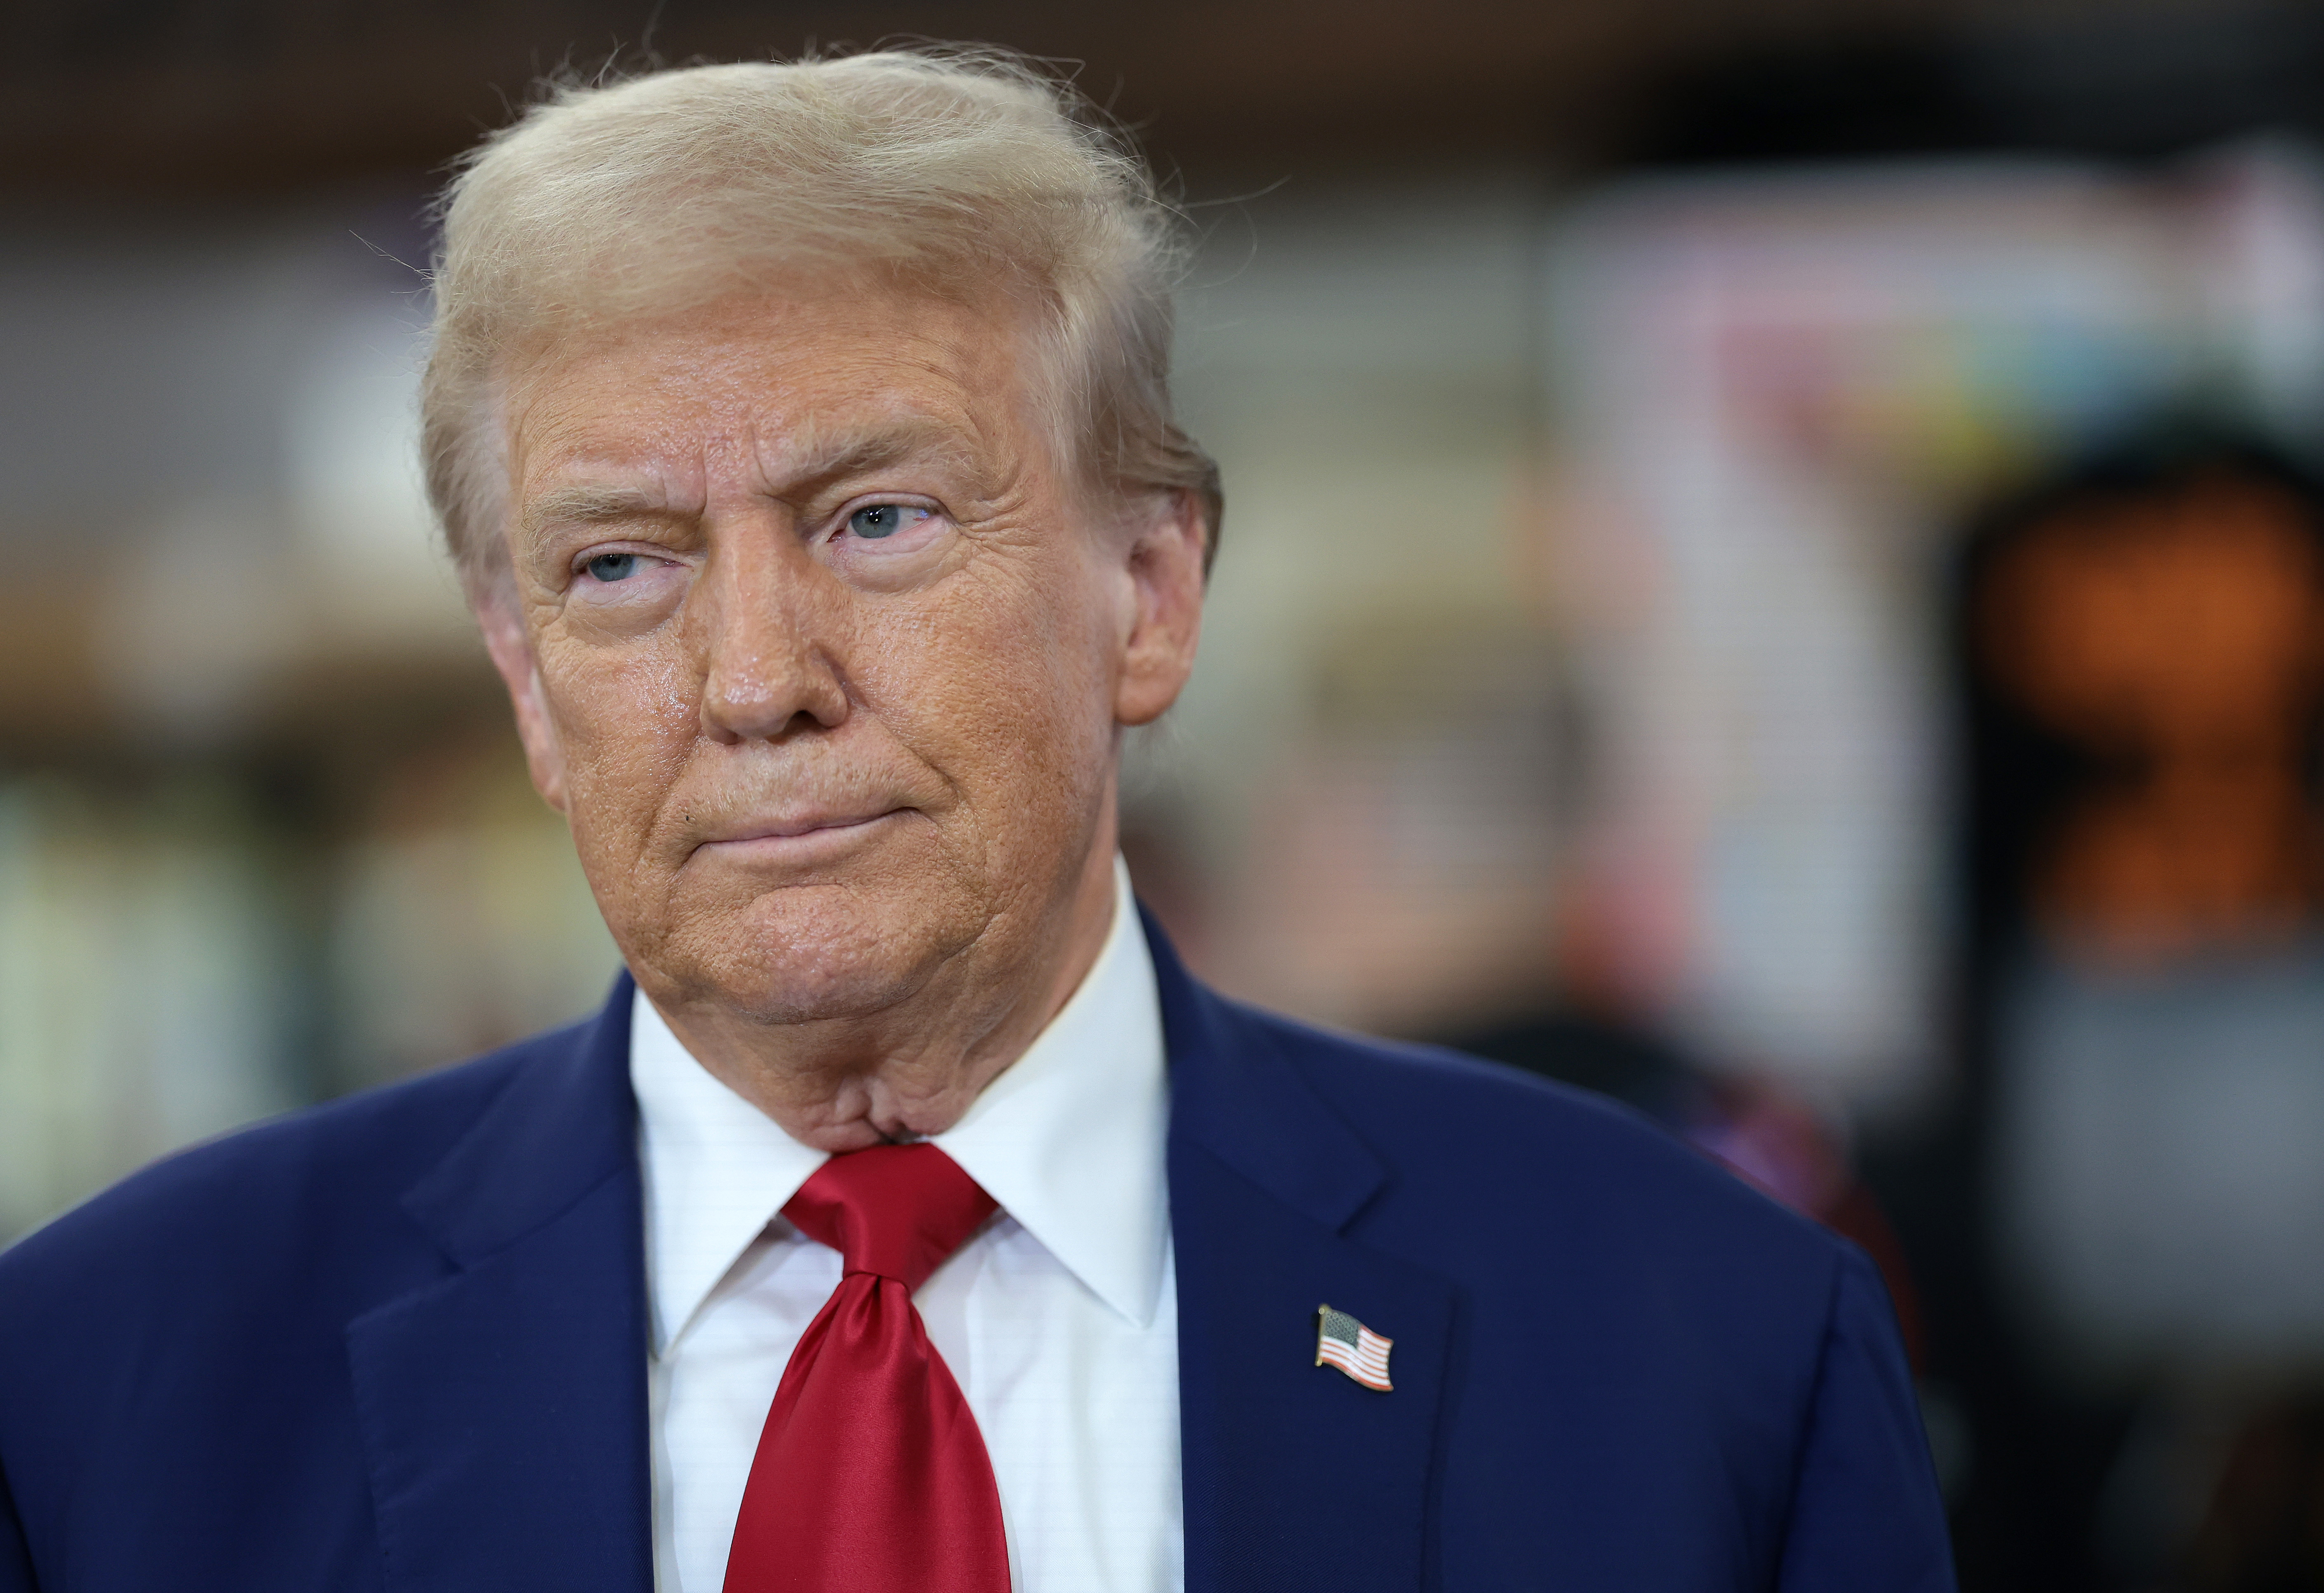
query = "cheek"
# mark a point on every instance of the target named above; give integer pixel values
(1003, 695)
(624, 722)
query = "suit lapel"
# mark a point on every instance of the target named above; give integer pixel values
(1294, 1474)
(504, 1406)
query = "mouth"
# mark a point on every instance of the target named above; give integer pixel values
(793, 836)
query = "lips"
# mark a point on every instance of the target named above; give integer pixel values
(785, 828)
(778, 834)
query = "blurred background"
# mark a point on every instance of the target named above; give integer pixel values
(1772, 569)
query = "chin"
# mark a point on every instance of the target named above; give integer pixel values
(807, 954)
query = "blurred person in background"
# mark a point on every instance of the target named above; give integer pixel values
(1598, 1033)
(2144, 639)
(908, 1219)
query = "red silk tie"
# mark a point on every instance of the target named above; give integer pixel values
(870, 1474)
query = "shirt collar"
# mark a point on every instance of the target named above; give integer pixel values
(1069, 1139)
(716, 1170)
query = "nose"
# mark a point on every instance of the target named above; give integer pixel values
(766, 630)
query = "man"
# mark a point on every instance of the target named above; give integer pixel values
(913, 1220)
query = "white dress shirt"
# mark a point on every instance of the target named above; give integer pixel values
(1058, 1318)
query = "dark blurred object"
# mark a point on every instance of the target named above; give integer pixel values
(1627, 1064)
(2112, 1220)
(1758, 1131)
(2133, 84)
(216, 96)
(2264, 1532)
(2147, 638)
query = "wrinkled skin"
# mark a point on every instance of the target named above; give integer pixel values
(826, 657)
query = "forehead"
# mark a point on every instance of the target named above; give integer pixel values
(778, 378)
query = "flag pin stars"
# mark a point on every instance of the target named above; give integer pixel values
(1346, 1343)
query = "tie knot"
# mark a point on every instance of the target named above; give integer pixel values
(895, 1211)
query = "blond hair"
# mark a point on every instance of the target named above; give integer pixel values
(941, 169)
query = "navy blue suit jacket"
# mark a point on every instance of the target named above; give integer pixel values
(399, 1343)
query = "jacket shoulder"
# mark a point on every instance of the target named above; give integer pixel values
(1502, 1146)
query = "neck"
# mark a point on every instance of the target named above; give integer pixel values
(912, 1068)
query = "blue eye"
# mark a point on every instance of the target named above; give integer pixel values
(613, 566)
(874, 521)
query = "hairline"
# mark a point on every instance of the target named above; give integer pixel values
(1099, 341)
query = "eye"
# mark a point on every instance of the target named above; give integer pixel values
(875, 521)
(609, 567)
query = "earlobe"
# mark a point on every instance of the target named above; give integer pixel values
(512, 656)
(1166, 580)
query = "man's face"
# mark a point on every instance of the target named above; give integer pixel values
(815, 643)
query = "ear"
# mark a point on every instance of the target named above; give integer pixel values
(512, 650)
(1163, 619)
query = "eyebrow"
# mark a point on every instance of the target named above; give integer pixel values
(850, 452)
(589, 503)
(823, 459)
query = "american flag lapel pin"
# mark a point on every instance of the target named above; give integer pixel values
(1346, 1343)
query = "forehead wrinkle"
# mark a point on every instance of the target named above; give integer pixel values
(824, 452)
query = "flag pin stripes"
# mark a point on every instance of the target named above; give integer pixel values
(1346, 1343)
